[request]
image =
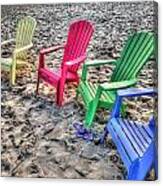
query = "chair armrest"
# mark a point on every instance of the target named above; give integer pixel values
(7, 41)
(45, 51)
(76, 61)
(99, 62)
(94, 63)
(130, 92)
(22, 48)
(134, 92)
(118, 85)
(51, 49)
(114, 86)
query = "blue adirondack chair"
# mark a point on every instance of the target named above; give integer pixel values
(135, 142)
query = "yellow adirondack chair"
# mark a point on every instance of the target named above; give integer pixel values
(23, 41)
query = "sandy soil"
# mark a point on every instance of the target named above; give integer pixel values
(38, 138)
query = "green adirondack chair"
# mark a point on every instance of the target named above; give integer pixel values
(137, 51)
(23, 42)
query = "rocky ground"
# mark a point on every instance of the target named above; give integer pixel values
(38, 139)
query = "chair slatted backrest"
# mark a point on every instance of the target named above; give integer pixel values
(79, 35)
(24, 34)
(137, 51)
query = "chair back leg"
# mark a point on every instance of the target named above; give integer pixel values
(37, 87)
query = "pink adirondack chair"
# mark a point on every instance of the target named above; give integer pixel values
(79, 35)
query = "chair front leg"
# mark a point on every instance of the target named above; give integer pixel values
(60, 91)
(59, 95)
(77, 80)
(92, 107)
(77, 93)
(13, 71)
(90, 114)
(155, 166)
(61, 85)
